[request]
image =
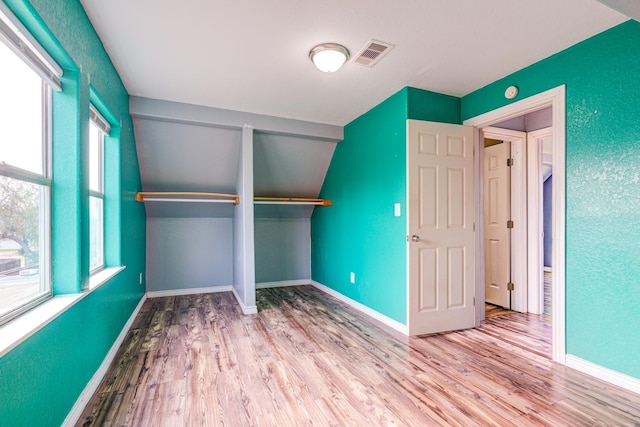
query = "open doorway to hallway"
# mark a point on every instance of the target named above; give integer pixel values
(517, 195)
(556, 99)
(517, 207)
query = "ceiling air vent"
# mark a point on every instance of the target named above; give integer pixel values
(372, 52)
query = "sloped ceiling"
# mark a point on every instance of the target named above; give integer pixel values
(289, 166)
(197, 149)
(630, 8)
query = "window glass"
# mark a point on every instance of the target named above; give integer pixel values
(96, 198)
(96, 227)
(21, 248)
(20, 113)
(95, 158)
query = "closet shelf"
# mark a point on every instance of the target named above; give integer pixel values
(291, 201)
(186, 196)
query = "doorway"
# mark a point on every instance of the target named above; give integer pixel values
(554, 98)
(517, 171)
(505, 217)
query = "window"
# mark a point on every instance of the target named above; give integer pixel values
(24, 186)
(98, 128)
(26, 81)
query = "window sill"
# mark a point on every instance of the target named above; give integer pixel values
(102, 276)
(22, 327)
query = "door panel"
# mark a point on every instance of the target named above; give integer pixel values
(428, 268)
(496, 214)
(455, 285)
(429, 208)
(440, 213)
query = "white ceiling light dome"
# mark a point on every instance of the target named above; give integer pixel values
(329, 57)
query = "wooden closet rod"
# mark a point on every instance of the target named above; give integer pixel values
(291, 201)
(186, 196)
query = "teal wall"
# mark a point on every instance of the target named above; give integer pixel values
(41, 379)
(359, 233)
(603, 188)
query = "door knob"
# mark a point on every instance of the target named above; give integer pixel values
(415, 238)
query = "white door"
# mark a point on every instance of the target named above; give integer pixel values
(497, 245)
(440, 215)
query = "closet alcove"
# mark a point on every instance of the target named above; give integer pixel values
(228, 196)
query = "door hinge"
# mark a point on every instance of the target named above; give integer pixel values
(510, 286)
(509, 224)
(474, 301)
(509, 162)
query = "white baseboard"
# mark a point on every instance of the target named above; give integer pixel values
(283, 283)
(404, 329)
(246, 309)
(74, 415)
(189, 291)
(605, 374)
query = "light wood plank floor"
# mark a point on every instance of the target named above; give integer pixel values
(307, 359)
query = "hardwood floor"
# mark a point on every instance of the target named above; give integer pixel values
(308, 359)
(547, 292)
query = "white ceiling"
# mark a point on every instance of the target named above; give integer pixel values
(252, 55)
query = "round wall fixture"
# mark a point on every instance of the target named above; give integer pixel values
(511, 92)
(329, 57)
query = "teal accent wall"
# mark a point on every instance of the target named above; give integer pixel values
(41, 379)
(432, 106)
(367, 175)
(602, 82)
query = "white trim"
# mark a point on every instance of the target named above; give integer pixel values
(394, 324)
(246, 309)
(556, 99)
(103, 276)
(283, 283)
(536, 217)
(605, 374)
(478, 166)
(188, 291)
(74, 415)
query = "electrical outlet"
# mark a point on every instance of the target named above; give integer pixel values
(141, 278)
(352, 277)
(396, 209)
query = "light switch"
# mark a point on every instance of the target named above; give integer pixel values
(396, 209)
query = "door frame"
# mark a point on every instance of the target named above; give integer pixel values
(535, 155)
(555, 98)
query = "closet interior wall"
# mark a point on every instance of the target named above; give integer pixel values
(286, 166)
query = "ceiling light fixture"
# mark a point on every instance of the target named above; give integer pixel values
(329, 57)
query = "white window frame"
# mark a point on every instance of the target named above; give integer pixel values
(43, 179)
(103, 127)
(15, 36)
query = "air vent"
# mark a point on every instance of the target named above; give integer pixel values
(372, 52)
